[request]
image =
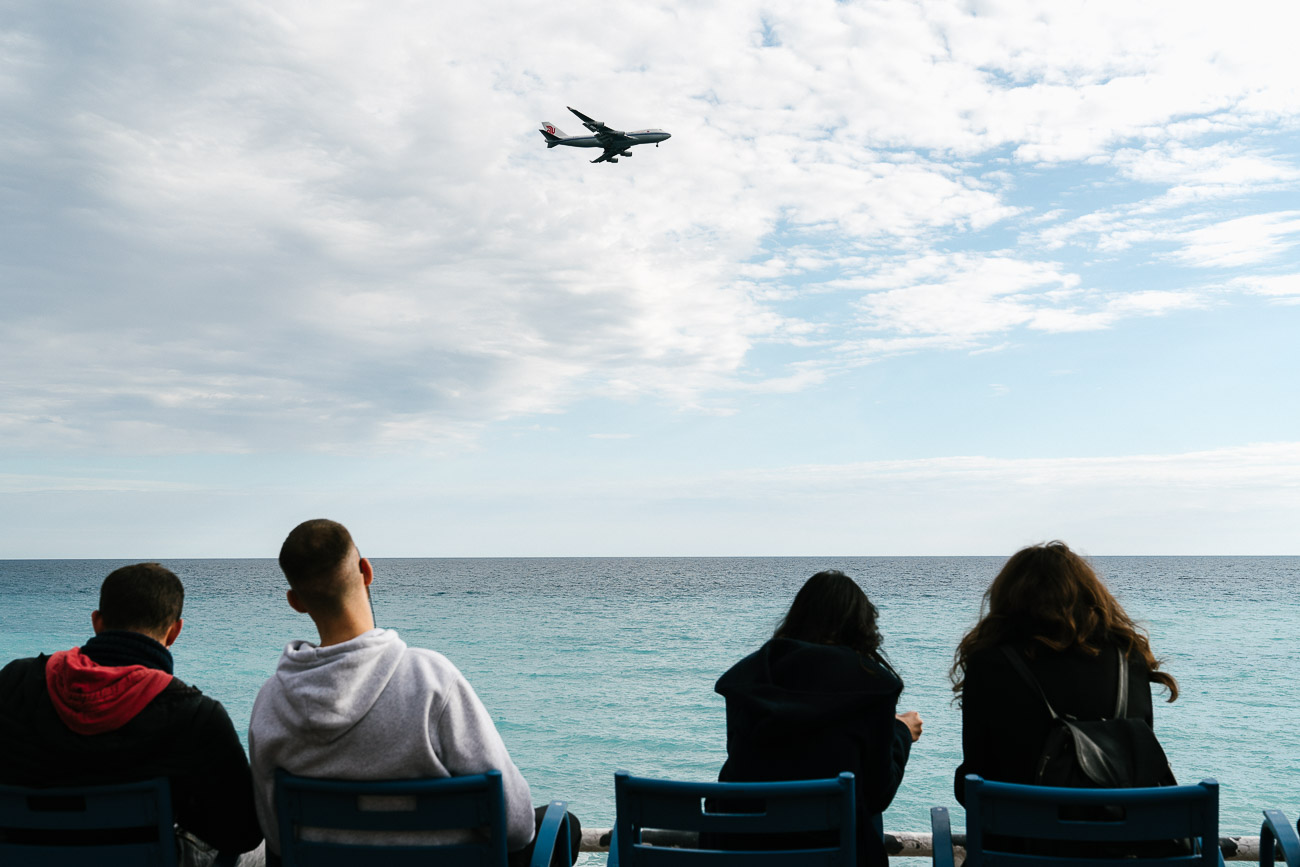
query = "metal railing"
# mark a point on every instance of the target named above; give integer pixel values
(899, 844)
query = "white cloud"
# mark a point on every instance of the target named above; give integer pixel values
(1242, 241)
(19, 483)
(1153, 302)
(252, 226)
(1225, 165)
(958, 301)
(1275, 466)
(961, 296)
(1200, 240)
(1244, 499)
(1283, 288)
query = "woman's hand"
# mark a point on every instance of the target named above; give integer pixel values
(913, 721)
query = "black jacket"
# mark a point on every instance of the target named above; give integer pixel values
(180, 734)
(807, 711)
(1004, 724)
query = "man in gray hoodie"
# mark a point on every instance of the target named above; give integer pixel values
(363, 705)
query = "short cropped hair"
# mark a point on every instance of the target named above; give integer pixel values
(146, 597)
(311, 557)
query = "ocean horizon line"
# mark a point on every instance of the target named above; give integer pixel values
(1002, 555)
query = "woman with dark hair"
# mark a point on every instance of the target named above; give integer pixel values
(1049, 607)
(818, 699)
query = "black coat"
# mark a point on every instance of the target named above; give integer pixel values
(807, 711)
(1004, 723)
(181, 734)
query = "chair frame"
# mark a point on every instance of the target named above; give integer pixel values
(423, 804)
(792, 806)
(1032, 812)
(74, 815)
(1276, 833)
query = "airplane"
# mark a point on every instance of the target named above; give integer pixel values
(615, 142)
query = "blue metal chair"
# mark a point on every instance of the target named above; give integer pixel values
(474, 803)
(1035, 813)
(778, 808)
(1276, 833)
(126, 823)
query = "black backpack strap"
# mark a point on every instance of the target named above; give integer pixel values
(1121, 689)
(1023, 670)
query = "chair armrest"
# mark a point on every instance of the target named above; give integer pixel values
(1277, 829)
(612, 860)
(941, 836)
(552, 833)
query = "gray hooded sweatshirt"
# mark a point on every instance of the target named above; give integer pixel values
(374, 709)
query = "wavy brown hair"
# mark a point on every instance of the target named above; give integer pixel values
(1048, 595)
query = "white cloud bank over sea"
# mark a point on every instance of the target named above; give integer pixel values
(953, 505)
(256, 257)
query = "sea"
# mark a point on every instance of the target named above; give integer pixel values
(591, 665)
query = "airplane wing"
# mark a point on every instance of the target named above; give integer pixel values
(614, 139)
(610, 155)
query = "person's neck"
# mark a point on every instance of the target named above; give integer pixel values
(118, 647)
(345, 627)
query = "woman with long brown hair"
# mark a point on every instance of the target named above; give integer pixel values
(1052, 611)
(818, 699)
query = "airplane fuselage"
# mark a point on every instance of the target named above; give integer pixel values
(640, 136)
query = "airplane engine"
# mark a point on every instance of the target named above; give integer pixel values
(612, 159)
(626, 154)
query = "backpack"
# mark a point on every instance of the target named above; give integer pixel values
(1115, 753)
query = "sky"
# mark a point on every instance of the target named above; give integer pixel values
(909, 278)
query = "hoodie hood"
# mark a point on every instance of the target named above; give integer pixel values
(797, 682)
(92, 699)
(327, 690)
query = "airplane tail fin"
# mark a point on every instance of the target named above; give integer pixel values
(553, 134)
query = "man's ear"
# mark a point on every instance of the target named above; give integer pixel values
(294, 602)
(97, 621)
(172, 631)
(367, 571)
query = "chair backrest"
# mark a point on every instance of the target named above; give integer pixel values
(795, 807)
(394, 822)
(1128, 818)
(124, 823)
(1276, 834)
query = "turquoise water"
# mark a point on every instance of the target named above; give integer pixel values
(591, 665)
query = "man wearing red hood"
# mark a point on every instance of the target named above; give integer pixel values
(111, 711)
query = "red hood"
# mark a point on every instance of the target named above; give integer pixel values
(92, 699)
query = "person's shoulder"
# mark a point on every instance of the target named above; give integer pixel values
(877, 669)
(185, 698)
(985, 651)
(1100, 653)
(426, 670)
(993, 656)
(20, 672)
(755, 667)
(750, 660)
(432, 663)
(1137, 663)
(800, 665)
(21, 667)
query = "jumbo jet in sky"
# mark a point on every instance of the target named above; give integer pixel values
(614, 141)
